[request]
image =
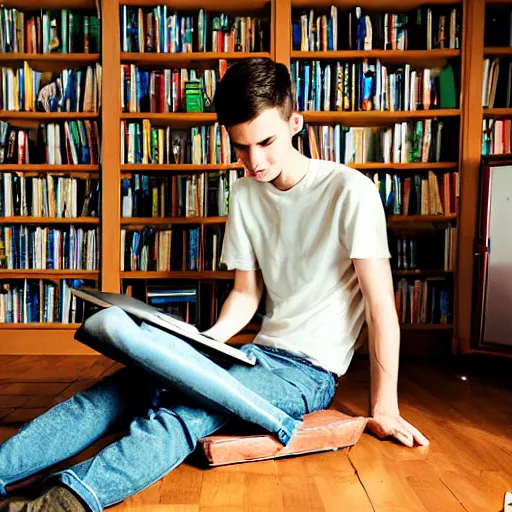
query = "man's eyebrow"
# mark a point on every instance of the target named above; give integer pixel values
(263, 142)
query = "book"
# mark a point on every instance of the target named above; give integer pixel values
(168, 323)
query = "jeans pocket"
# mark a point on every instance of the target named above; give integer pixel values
(324, 393)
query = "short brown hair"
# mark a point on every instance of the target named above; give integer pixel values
(250, 87)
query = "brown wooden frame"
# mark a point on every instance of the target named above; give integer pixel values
(481, 255)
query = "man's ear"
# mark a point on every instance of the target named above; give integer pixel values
(296, 123)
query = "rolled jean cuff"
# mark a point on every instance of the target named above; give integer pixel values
(70, 479)
(288, 427)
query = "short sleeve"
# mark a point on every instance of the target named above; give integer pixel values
(237, 250)
(363, 222)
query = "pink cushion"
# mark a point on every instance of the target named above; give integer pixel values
(321, 431)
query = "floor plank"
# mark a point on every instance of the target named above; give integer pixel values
(465, 412)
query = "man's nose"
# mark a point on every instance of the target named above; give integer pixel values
(256, 158)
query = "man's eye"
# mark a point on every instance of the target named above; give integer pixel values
(267, 142)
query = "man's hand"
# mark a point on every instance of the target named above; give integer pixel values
(239, 307)
(393, 425)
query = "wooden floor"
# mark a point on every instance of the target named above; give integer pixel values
(468, 466)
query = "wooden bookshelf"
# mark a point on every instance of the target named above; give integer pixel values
(58, 338)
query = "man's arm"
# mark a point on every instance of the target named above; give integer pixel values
(384, 346)
(240, 306)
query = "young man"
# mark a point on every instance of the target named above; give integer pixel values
(314, 233)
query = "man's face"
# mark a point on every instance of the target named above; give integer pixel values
(263, 144)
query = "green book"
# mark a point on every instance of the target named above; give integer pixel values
(447, 88)
(64, 30)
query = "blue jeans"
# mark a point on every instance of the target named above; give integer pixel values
(162, 420)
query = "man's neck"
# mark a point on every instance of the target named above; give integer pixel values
(293, 172)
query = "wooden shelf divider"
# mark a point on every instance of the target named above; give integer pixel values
(398, 219)
(421, 272)
(413, 166)
(386, 55)
(50, 168)
(498, 51)
(426, 327)
(74, 59)
(178, 167)
(137, 221)
(174, 274)
(376, 115)
(49, 220)
(48, 274)
(47, 116)
(168, 59)
(171, 117)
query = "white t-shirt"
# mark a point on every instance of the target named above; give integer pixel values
(303, 240)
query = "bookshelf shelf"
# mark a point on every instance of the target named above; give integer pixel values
(498, 51)
(58, 338)
(27, 5)
(383, 6)
(177, 275)
(404, 219)
(404, 167)
(172, 117)
(36, 326)
(49, 168)
(220, 5)
(426, 327)
(47, 116)
(374, 115)
(75, 59)
(392, 219)
(168, 59)
(140, 221)
(497, 112)
(388, 55)
(178, 167)
(48, 274)
(421, 272)
(49, 220)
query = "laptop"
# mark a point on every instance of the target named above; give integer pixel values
(168, 323)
